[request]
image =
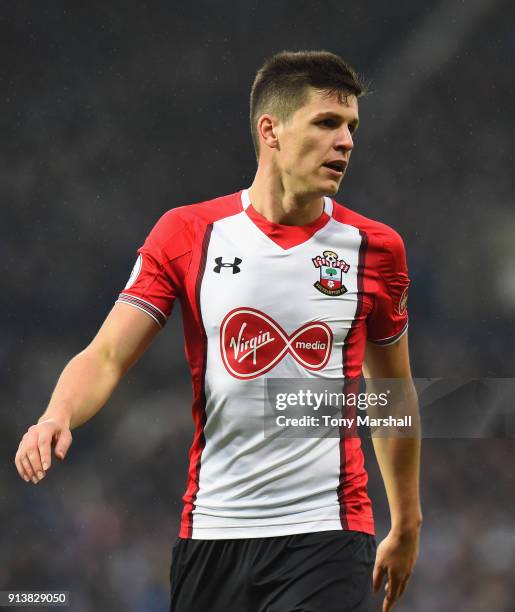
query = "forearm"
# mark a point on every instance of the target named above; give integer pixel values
(398, 456)
(84, 386)
(399, 462)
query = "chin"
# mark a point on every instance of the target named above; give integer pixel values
(321, 188)
(331, 188)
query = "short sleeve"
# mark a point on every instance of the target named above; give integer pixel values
(157, 278)
(388, 320)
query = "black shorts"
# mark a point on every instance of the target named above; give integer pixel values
(326, 571)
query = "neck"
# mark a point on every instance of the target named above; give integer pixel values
(272, 199)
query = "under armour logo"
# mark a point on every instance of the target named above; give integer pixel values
(220, 264)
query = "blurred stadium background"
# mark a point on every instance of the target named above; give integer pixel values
(112, 113)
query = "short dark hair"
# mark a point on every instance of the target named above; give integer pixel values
(281, 84)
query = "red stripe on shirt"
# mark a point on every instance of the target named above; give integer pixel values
(352, 488)
(199, 406)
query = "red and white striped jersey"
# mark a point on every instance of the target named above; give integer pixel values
(248, 288)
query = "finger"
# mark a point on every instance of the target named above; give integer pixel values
(386, 600)
(388, 604)
(31, 450)
(404, 585)
(44, 443)
(63, 443)
(35, 461)
(393, 592)
(392, 589)
(377, 578)
(21, 469)
(28, 469)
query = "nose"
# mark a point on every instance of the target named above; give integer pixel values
(344, 140)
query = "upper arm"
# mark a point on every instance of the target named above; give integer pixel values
(159, 275)
(388, 319)
(390, 361)
(387, 354)
(124, 336)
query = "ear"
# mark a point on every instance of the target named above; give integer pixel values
(267, 127)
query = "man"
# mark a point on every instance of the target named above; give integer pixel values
(275, 281)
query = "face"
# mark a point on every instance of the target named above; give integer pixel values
(314, 145)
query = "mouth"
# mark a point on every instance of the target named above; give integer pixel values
(337, 167)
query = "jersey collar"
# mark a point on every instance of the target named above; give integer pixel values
(286, 236)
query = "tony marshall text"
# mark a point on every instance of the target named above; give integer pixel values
(329, 421)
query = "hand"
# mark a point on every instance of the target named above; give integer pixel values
(395, 560)
(34, 456)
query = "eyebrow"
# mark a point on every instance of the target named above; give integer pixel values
(333, 115)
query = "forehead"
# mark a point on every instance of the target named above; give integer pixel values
(335, 102)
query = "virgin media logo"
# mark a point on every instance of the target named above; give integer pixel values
(252, 343)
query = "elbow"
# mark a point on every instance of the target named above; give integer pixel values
(103, 359)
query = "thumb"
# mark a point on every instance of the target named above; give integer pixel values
(377, 578)
(63, 443)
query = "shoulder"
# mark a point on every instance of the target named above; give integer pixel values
(203, 213)
(188, 222)
(378, 235)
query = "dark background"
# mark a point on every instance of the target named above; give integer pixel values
(112, 113)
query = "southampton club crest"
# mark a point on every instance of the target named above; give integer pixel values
(331, 271)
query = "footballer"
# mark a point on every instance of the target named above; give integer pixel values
(277, 280)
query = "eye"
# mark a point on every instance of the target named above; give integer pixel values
(329, 123)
